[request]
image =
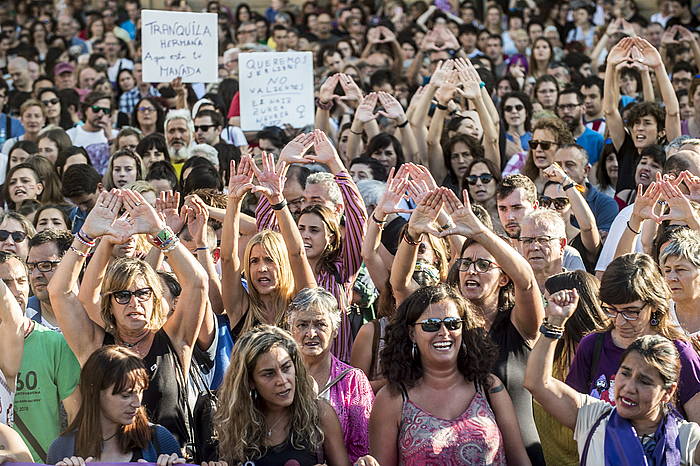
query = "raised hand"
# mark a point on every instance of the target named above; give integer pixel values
(555, 173)
(327, 91)
(469, 79)
(621, 51)
(388, 34)
(446, 92)
(352, 90)
(365, 111)
(393, 195)
(142, 216)
(374, 35)
(441, 73)
(75, 461)
(271, 178)
(693, 184)
(392, 107)
(645, 203)
(168, 206)
(421, 173)
(679, 205)
(197, 218)
(649, 55)
(240, 180)
(325, 153)
(424, 217)
(295, 149)
(465, 221)
(101, 218)
(560, 306)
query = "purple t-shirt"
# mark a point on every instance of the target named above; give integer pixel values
(603, 382)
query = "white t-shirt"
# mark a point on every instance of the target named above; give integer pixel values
(80, 137)
(234, 135)
(572, 260)
(616, 230)
(7, 400)
(120, 64)
(593, 408)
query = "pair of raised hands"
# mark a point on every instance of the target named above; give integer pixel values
(352, 92)
(634, 50)
(439, 38)
(194, 213)
(453, 76)
(649, 204)
(377, 104)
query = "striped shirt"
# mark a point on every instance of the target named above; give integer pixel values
(347, 265)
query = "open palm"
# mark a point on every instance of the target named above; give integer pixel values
(241, 179)
(99, 222)
(271, 178)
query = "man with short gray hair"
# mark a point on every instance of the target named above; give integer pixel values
(542, 243)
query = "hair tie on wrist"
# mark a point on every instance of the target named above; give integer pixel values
(631, 229)
(355, 132)
(482, 84)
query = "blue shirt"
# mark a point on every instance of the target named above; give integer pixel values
(16, 128)
(604, 207)
(593, 142)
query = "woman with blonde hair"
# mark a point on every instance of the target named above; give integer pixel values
(268, 411)
(134, 312)
(274, 264)
(111, 424)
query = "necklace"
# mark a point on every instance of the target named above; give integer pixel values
(131, 345)
(110, 437)
(269, 432)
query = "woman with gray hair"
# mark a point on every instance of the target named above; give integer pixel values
(680, 265)
(314, 319)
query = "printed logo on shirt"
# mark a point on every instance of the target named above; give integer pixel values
(604, 389)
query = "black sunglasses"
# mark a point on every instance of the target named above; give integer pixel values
(98, 109)
(546, 145)
(50, 101)
(17, 236)
(124, 296)
(516, 107)
(485, 178)
(433, 325)
(204, 128)
(559, 203)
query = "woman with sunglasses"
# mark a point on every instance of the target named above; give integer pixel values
(15, 232)
(516, 111)
(134, 312)
(481, 180)
(500, 283)
(561, 194)
(636, 299)
(437, 350)
(548, 135)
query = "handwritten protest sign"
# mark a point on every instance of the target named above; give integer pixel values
(176, 44)
(277, 88)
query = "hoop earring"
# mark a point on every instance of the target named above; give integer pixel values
(253, 394)
(654, 319)
(414, 351)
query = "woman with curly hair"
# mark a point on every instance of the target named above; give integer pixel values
(437, 349)
(268, 410)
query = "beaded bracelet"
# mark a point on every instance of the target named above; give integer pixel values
(79, 252)
(170, 245)
(83, 238)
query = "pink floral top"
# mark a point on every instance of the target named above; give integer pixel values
(352, 398)
(473, 438)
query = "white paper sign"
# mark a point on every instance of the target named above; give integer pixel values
(277, 88)
(176, 44)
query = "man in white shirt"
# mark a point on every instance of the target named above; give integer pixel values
(97, 131)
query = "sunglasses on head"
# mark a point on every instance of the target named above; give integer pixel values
(98, 109)
(516, 107)
(546, 145)
(485, 178)
(17, 236)
(433, 325)
(557, 202)
(124, 296)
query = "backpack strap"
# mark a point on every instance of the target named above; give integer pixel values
(589, 437)
(597, 351)
(375, 345)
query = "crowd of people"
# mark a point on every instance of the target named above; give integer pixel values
(486, 250)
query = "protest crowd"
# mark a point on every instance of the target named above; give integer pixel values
(483, 247)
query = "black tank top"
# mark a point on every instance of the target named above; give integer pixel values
(285, 454)
(165, 399)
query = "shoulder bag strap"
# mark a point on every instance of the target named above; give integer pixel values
(8, 127)
(376, 327)
(589, 437)
(30, 438)
(330, 384)
(597, 350)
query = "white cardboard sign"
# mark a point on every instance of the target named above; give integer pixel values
(277, 88)
(177, 44)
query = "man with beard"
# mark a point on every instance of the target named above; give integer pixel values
(97, 131)
(179, 134)
(46, 249)
(570, 110)
(516, 197)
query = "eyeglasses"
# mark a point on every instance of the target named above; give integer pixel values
(124, 296)
(559, 203)
(249, 31)
(17, 236)
(433, 325)
(516, 107)
(485, 178)
(546, 145)
(683, 81)
(42, 266)
(541, 240)
(98, 109)
(480, 265)
(50, 102)
(203, 128)
(146, 109)
(627, 314)
(565, 107)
